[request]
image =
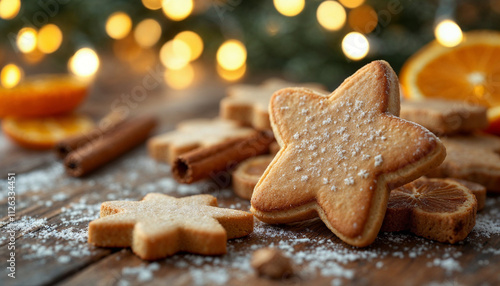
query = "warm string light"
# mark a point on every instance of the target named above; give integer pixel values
(175, 54)
(363, 19)
(9, 8)
(351, 3)
(448, 33)
(331, 15)
(49, 38)
(147, 33)
(11, 75)
(177, 10)
(194, 42)
(152, 4)
(231, 55)
(355, 46)
(289, 8)
(181, 78)
(118, 25)
(84, 63)
(233, 75)
(26, 40)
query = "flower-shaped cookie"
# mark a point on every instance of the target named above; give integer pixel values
(342, 154)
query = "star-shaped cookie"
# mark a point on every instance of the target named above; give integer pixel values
(341, 155)
(160, 225)
(249, 104)
(195, 133)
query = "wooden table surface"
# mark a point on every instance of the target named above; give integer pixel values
(53, 212)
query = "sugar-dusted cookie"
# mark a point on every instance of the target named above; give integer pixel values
(340, 155)
(248, 173)
(473, 158)
(249, 104)
(438, 209)
(160, 225)
(445, 116)
(195, 133)
(478, 190)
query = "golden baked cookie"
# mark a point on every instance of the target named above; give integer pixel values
(161, 225)
(438, 209)
(248, 173)
(249, 104)
(195, 133)
(444, 117)
(473, 158)
(342, 154)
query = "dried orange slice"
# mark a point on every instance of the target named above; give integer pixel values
(468, 72)
(43, 95)
(438, 209)
(44, 133)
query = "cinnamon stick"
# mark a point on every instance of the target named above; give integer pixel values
(110, 145)
(202, 162)
(107, 124)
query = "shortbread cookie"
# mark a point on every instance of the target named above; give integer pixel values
(478, 190)
(248, 173)
(249, 104)
(473, 158)
(195, 133)
(160, 225)
(341, 155)
(438, 209)
(445, 116)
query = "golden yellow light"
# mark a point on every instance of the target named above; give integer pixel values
(11, 75)
(363, 19)
(289, 8)
(175, 54)
(448, 33)
(181, 78)
(331, 15)
(152, 4)
(26, 40)
(355, 46)
(194, 42)
(177, 10)
(84, 63)
(49, 38)
(231, 55)
(147, 33)
(118, 25)
(9, 8)
(233, 75)
(351, 3)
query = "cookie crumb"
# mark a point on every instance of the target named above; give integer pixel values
(270, 262)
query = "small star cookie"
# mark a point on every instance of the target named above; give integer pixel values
(249, 104)
(195, 133)
(342, 154)
(161, 225)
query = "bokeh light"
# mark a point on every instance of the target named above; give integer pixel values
(177, 10)
(84, 63)
(181, 78)
(331, 15)
(147, 33)
(11, 75)
(363, 19)
(231, 55)
(152, 4)
(194, 42)
(9, 8)
(289, 8)
(175, 54)
(49, 38)
(355, 46)
(352, 3)
(118, 25)
(233, 75)
(26, 40)
(448, 33)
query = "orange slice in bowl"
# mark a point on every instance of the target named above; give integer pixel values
(44, 133)
(43, 95)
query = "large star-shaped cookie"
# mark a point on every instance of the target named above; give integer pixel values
(160, 225)
(341, 155)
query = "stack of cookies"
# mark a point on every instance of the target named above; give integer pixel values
(299, 153)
